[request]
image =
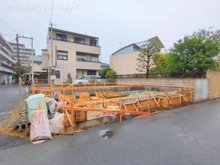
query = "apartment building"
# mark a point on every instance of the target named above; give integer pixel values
(24, 53)
(124, 61)
(6, 61)
(74, 53)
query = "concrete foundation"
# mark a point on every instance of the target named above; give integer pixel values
(96, 122)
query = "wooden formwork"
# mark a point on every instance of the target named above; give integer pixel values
(136, 105)
(141, 104)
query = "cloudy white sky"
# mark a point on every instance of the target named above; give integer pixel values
(117, 23)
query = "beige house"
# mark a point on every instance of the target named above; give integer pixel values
(73, 53)
(124, 61)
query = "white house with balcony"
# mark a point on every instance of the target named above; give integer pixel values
(6, 61)
(74, 53)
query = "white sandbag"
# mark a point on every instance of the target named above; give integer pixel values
(39, 126)
(56, 105)
(56, 123)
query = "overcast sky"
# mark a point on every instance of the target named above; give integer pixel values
(117, 23)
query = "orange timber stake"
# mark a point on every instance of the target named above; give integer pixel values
(166, 100)
(148, 103)
(180, 96)
(120, 109)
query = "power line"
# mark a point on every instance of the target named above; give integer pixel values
(8, 25)
(26, 39)
(12, 40)
(51, 14)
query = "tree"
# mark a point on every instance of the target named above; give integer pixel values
(69, 78)
(160, 63)
(103, 72)
(111, 75)
(21, 70)
(193, 55)
(144, 59)
(208, 34)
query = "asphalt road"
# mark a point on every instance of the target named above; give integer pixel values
(9, 96)
(184, 136)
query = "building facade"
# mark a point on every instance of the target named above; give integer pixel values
(24, 53)
(73, 53)
(124, 61)
(6, 62)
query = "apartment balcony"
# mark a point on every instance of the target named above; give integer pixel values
(88, 65)
(65, 44)
(5, 55)
(6, 68)
(75, 42)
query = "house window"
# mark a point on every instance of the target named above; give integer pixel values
(93, 42)
(79, 40)
(57, 73)
(61, 37)
(94, 58)
(80, 56)
(62, 55)
(91, 72)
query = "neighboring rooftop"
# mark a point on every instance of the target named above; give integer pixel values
(135, 46)
(37, 59)
(104, 65)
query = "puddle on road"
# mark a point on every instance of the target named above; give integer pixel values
(106, 133)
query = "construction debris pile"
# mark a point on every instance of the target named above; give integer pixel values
(52, 110)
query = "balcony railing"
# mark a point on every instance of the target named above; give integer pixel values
(83, 60)
(6, 66)
(72, 41)
(8, 55)
(1, 48)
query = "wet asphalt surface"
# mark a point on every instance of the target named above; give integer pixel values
(184, 136)
(9, 97)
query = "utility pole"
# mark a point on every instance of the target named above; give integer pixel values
(51, 43)
(19, 79)
(50, 72)
(32, 61)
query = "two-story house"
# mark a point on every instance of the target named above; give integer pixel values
(124, 61)
(6, 61)
(74, 53)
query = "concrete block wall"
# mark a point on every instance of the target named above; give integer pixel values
(187, 82)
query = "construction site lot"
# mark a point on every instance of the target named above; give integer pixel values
(88, 106)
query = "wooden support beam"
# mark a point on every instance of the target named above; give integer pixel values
(120, 107)
(169, 100)
(125, 107)
(166, 100)
(135, 107)
(157, 102)
(191, 95)
(148, 103)
(139, 104)
(184, 98)
(69, 119)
